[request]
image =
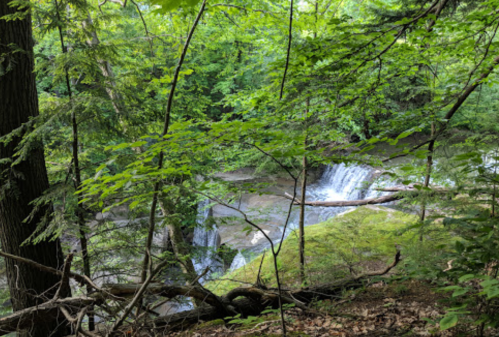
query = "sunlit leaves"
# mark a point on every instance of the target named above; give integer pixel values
(170, 5)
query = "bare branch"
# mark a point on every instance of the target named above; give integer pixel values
(345, 203)
(290, 38)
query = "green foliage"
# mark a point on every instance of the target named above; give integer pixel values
(169, 5)
(344, 244)
(375, 73)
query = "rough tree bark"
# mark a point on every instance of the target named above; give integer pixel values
(22, 183)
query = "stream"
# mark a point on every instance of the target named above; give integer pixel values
(338, 182)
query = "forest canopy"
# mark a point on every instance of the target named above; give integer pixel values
(134, 135)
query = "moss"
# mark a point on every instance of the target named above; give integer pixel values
(210, 324)
(290, 333)
(361, 239)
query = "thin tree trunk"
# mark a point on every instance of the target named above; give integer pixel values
(77, 174)
(304, 179)
(431, 146)
(25, 181)
(302, 220)
(166, 126)
(301, 223)
(494, 191)
(429, 166)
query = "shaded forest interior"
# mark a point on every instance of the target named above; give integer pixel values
(244, 168)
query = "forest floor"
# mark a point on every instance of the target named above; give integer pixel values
(409, 308)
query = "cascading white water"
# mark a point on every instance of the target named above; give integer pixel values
(207, 238)
(339, 182)
(238, 262)
(209, 241)
(342, 182)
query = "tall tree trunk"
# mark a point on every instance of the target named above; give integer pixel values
(26, 181)
(77, 174)
(304, 179)
(166, 126)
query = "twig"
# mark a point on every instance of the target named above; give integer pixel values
(64, 287)
(137, 297)
(290, 37)
(200, 276)
(80, 278)
(258, 279)
(157, 185)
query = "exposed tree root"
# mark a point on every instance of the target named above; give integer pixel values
(243, 301)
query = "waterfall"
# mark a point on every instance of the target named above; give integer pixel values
(342, 182)
(238, 262)
(209, 240)
(381, 182)
(338, 182)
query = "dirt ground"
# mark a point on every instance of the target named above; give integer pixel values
(408, 308)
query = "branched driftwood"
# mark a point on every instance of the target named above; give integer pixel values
(64, 286)
(245, 301)
(345, 203)
(253, 300)
(401, 192)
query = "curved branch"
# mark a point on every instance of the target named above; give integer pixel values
(80, 278)
(166, 126)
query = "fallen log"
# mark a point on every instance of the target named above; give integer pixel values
(243, 301)
(345, 203)
(255, 300)
(182, 320)
(48, 311)
(169, 291)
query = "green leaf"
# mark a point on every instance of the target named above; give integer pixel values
(405, 134)
(460, 292)
(492, 293)
(449, 321)
(134, 204)
(334, 21)
(467, 277)
(169, 5)
(450, 288)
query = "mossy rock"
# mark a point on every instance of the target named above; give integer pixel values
(362, 239)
